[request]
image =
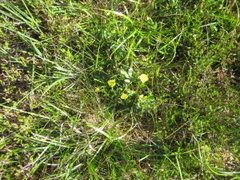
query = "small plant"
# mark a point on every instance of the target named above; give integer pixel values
(146, 102)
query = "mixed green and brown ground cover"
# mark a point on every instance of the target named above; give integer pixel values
(113, 89)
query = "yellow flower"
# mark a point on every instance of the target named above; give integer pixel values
(124, 96)
(97, 89)
(112, 83)
(143, 78)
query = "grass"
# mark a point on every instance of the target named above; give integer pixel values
(119, 89)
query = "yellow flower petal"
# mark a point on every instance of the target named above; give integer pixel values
(97, 89)
(143, 78)
(112, 83)
(124, 96)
